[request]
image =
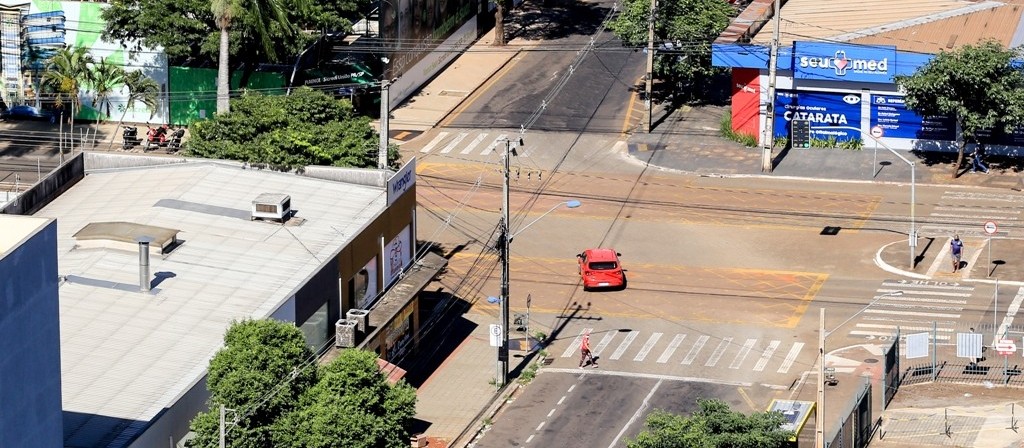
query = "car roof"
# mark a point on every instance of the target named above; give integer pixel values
(601, 255)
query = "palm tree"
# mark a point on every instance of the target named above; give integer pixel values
(267, 13)
(105, 77)
(141, 89)
(66, 72)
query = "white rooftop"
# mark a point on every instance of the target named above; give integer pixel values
(126, 355)
(14, 229)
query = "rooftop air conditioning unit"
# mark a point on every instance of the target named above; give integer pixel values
(272, 206)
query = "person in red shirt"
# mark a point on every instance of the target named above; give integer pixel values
(586, 357)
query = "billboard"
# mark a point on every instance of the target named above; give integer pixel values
(890, 114)
(840, 111)
(844, 62)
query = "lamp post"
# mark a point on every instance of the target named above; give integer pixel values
(819, 415)
(505, 238)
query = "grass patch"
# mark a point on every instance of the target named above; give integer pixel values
(725, 127)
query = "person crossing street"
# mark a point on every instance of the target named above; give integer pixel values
(586, 357)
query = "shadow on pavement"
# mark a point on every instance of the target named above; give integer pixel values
(551, 19)
(447, 330)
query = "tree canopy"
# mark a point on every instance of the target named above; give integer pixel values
(713, 425)
(280, 397)
(189, 35)
(307, 127)
(981, 85)
(683, 32)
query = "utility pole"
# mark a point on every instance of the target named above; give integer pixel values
(499, 23)
(502, 377)
(385, 112)
(224, 426)
(650, 67)
(768, 139)
(819, 415)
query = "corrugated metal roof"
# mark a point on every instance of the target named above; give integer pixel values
(852, 20)
(999, 23)
(126, 355)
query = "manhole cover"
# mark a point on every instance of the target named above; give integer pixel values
(871, 360)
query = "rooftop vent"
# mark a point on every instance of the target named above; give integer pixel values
(273, 206)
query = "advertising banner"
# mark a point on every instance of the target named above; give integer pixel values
(890, 114)
(397, 255)
(844, 62)
(823, 110)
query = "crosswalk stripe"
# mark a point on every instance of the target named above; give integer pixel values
(742, 355)
(717, 354)
(697, 346)
(766, 356)
(916, 321)
(905, 286)
(912, 306)
(938, 337)
(989, 216)
(902, 327)
(575, 345)
(924, 293)
(912, 313)
(791, 357)
(472, 144)
(672, 346)
(437, 139)
(647, 347)
(455, 141)
(923, 299)
(624, 345)
(490, 148)
(607, 339)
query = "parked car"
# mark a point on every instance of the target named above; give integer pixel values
(600, 268)
(24, 111)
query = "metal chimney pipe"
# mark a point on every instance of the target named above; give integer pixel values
(144, 262)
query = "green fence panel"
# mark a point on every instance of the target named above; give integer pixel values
(193, 91)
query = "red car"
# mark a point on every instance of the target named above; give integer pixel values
(600, 268)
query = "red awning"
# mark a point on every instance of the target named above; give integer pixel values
(393, 372)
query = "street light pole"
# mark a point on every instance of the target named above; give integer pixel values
(768, 139)
(502, 377)
(385, 112)
(650, 68)
(819, 414)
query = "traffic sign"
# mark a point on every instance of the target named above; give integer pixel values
(1005, 347)
(877, 132)
(990, 227)
(495, 331)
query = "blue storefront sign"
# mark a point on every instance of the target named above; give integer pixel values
(827, 112)
(844, 62)
(890, 113)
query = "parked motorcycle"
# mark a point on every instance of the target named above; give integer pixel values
(130, 137)
(174, 141)
(156, 137)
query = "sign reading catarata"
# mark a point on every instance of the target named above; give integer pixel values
(822, 110)
(844, 62)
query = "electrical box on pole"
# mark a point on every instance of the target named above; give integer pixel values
(800, 133)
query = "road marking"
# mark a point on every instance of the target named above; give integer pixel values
(552, 412)
(902, 327)
(541, 425)
(916, 321)
(437, 139)
(911, 306)
(607, 339)
(925, 300)
(1011, 311)
(636, 415)
(672, 346)
(742, 355)
(912, 313)
(938, 337)
(562, 400)
(766, 356)
(528, 439)
(455, 141)
(490, 148)
(624, 345)
(647, 347)
(695, 349)
(904, 286)
(655, 376)
(791, 357)
(747, 399)
(570, 389)
(575, 345)
(472, 144)
(717, 354)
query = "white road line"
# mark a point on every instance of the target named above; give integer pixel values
(624, 345)
(938, 337)
(473, 144)
(570, 389)
(575, 345)
(1011, 311)
(528, 439)
(455, 141)
(655, 376)
(437, 139)
(926, 293)
(912, 313)
(794, 351)
(902, 327)
(999, 217)
(742, 355)
(636, 415)
(717, 354)
(647, 347)
(914, 306)
(695, 349)
(904, 286)
(561, 400)
(490, 148)
(672, 346)
(916, 321)
(923, 300)
(766, 356)
(541, 425)
(605, 340)
(552, 412)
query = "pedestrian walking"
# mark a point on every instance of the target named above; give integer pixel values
(956, 249)
(586, 358)
(978, 159)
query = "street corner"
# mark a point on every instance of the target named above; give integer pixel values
(983, 259)
(899, 258)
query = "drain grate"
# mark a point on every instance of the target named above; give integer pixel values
(831, 230)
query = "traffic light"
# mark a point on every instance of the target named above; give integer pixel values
(800, 131)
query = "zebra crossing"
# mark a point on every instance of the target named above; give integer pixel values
(922, 305)
(448, 142)
(725, 353)
(975, 207)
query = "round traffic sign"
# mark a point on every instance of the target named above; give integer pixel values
(990, 227)
(877, 132)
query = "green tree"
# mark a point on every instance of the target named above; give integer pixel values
(352, 406)
(105, 78)
(141, 89)
(263, 15)
(713, 425)
(980, 85)
(260, 373)
(683, 33)
(307, 127)
(68, 70)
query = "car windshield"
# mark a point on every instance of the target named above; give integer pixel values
(603, 265)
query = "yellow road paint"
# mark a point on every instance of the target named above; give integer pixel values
(629, 111)
(402, 135)
(747, 399)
